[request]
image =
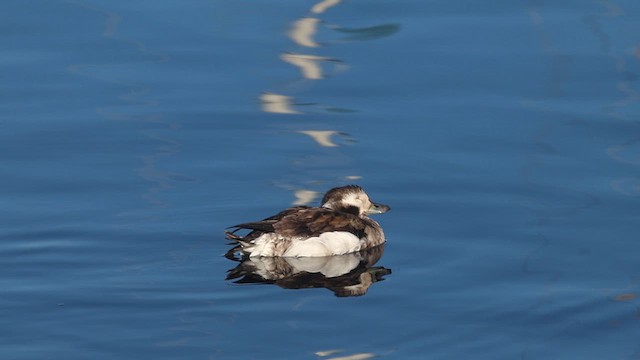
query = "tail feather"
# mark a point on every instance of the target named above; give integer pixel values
(244, 243)
(232, 236)
(265, 226)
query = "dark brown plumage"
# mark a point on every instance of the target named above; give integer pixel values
(343, 209)
(306, 222)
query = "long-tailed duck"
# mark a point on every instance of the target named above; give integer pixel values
(339, 226)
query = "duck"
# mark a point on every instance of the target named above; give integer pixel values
(340, 225)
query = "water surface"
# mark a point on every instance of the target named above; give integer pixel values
(504, 136)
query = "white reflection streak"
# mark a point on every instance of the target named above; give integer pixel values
(308, 64)
(361, 356)
(328, 352)
(322, 137)
(322, 6)
(303, 31)
(305, 197)
(276, 103)
(311, 67)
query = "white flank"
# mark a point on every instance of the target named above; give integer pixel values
(327, 244)
(263, 245)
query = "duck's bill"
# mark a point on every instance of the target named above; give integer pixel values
(378, 209)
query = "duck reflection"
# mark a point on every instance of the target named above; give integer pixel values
(345, 275)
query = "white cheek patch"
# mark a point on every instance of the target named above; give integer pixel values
(354, 200)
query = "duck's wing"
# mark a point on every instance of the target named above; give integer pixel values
(266, 225)
(312, 222)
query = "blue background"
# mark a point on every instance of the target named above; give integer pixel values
(504, 135)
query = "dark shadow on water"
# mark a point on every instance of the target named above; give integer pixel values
(345, 275)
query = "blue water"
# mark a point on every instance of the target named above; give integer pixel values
(504, 135)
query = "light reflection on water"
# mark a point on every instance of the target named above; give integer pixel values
(303, 32)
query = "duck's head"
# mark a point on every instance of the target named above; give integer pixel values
(352, 199)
